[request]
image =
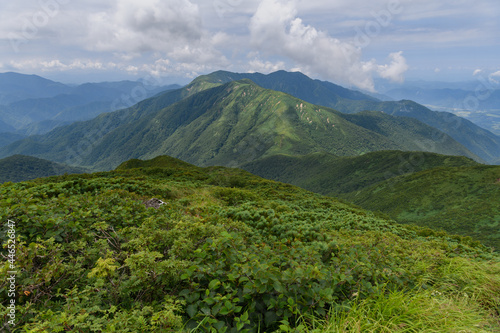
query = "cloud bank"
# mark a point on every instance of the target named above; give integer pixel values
(275, 29)
(173, 28)
(333, 40)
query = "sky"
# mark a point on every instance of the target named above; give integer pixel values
(349, 42)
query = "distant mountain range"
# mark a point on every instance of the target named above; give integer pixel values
(30, 104)
(230, 124)
(477, 101)
(480, 142)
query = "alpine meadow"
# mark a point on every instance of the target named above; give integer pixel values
(260, 166)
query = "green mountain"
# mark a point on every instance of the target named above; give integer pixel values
(461, 200)
(332, 175)
(230, 125)
(19, 168)
(98, 98)
(293, 83)
(481, 142)
(159, 246)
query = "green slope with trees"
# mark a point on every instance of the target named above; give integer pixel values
(223, 250)
(463, 200)
(481, 142)
(230, 125)
(332, 175)
(18, 168)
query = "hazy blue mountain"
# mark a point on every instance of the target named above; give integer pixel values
(5, 127)
(15, 87)
(33, 112)
(7, 138)
(477, 101)
(451, 98)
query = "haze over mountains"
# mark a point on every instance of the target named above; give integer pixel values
(480, 142)
(477, 101)
(30, 104)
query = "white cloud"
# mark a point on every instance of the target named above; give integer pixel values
(395, 71)
(58, 65)
(146, 25)
(172, 28)
(495, 74)
(258, 65)
(276, 30)
(477, 71)
(318, 37)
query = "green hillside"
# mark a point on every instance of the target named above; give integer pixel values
(332, 175)
(233, 124)
(7, 138)
(481, 142)
(224, 251)
(239, 122)
(293, 83)
(18, 168)
(463, 200)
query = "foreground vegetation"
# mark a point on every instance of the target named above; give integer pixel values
(222, 250)
(452, 193)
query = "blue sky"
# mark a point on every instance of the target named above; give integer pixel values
(350, 42)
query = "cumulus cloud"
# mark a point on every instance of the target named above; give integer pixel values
(259, 65)
(170, 27)
(396, 69)
(275, 29)
(144, 25)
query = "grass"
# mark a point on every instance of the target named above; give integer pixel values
(456, 297)
(399, 311)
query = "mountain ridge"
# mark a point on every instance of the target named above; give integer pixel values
(480, 141)
(217, 125)
(39, 111)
